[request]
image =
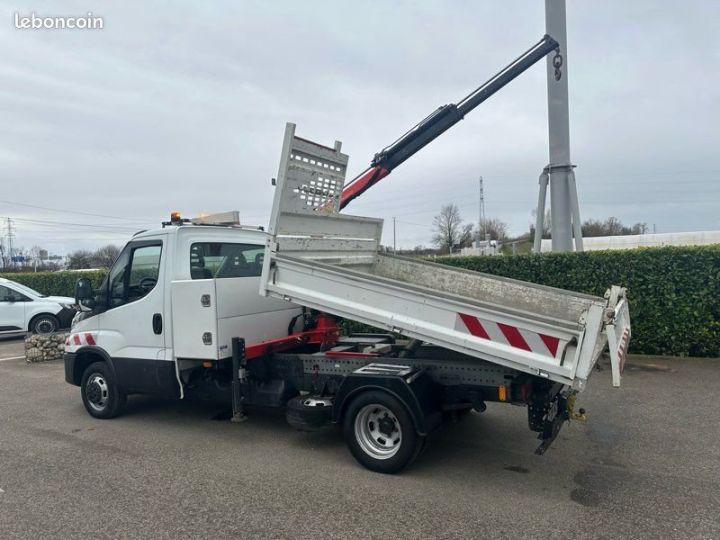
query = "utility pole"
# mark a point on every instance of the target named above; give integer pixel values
(394, 238)
(481, 214)
(10, 236)
(559, 174)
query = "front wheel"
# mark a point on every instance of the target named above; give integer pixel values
(380, 432)
(101, 395)
(44, 324)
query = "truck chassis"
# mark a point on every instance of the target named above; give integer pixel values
(318, 385)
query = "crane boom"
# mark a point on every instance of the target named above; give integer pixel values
(439, 121)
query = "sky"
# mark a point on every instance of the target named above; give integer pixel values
(182, 106)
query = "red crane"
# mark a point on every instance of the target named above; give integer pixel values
(440, 121)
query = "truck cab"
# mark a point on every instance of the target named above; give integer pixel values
(171, 303)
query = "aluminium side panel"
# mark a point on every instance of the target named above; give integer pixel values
(541, 347)
(194, 313)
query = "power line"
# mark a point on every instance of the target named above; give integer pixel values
(61, 232)
(435, 208)
(64, 211)
(71, 224)
(415, 224)
(69, 228)
(408, 199)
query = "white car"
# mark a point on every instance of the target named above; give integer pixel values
(23, 309)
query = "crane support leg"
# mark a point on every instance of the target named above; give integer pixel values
(577, 225)
(563, 193)
(540, 217)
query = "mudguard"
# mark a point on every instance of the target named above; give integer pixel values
(412, 387)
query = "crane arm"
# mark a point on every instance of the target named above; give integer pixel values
(440, 121)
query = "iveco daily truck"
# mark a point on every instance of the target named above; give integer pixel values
(248, 317)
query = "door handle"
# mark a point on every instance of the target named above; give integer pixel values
(157, 323)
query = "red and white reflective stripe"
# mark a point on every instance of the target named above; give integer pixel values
(510, 335)
(622, 348)
(85, 338)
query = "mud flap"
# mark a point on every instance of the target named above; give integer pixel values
(548, 419)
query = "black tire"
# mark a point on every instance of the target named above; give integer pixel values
(387, 445)
(309, 413)
(44, 324)
(101, 395)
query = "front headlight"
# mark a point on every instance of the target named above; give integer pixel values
(79, 316)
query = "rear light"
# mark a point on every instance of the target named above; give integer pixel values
(207, 364)
(525, 392)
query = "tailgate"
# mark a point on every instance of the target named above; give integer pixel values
(618, 333)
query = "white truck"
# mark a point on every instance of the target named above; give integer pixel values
(179, 315)
(249, 318)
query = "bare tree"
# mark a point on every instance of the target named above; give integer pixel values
(467, 236)
(105, 256)
(494, 227)
(640, 228)
(102, 257)
(448, 228)
(82, 258)
(612, 226)
(593, 227)
(4, 258)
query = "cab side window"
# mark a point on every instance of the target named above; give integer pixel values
(134, 274)
(9, 295)
(225, 260)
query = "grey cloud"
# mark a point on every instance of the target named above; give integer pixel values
(182, 105)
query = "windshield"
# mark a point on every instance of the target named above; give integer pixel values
(27, 290)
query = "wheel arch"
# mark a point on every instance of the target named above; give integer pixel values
(416, 400)
(85, 356)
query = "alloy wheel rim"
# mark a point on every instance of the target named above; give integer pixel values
(45, 326)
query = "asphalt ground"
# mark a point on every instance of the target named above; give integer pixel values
(645, 465)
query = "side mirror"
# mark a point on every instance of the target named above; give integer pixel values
(83, 290)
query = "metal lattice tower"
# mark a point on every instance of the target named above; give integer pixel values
(481, 214)
(10, 235)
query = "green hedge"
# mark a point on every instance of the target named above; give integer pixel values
(54, 283)
(674, 292)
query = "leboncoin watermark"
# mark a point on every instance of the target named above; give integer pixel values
(36, 22)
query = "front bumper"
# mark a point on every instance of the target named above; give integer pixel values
(69, 359)
(65, 317)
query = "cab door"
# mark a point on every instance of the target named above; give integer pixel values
(12, 311)
(132, 327)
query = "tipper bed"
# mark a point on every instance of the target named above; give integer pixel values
(325, 260)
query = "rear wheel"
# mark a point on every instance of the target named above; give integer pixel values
(101, 395)
(380, 432)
